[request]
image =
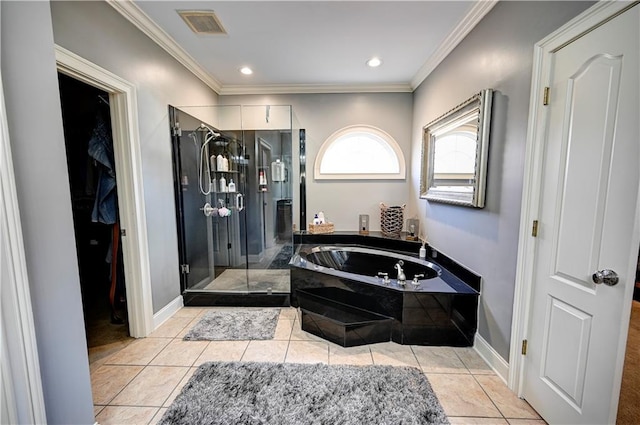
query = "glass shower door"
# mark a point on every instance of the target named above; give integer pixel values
(269, 220)
(195, 228)
(233, 201)
(208, 174)
(228, 198)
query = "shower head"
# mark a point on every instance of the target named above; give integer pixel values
(213, 133)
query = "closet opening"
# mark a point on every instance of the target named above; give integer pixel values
(92, 171)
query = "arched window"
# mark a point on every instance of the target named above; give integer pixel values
(359, 152)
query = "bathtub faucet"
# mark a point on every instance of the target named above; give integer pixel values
(401, 277)
(384, 277)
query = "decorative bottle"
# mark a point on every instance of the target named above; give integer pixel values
(219, 163)
(223, 184)
(213, 162)
(232, 186)
(225, 163)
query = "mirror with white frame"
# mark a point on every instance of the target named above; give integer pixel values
(454, 153)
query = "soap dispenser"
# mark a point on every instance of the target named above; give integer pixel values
(423, 251)
(232, 186)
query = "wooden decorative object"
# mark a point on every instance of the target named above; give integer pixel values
(317, 229)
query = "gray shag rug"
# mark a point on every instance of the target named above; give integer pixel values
(287, 393)
(227, 325)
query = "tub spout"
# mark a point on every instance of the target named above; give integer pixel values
(401, 277)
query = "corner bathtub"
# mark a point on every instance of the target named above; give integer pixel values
(342, 298)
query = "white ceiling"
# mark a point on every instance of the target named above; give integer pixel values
(311, 46)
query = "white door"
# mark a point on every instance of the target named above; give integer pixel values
(587, 223)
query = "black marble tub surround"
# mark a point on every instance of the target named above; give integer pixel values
(442, 310)
(323, 312)
(395, 244)
(373, 239)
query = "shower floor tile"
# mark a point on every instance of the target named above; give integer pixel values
(260, 280)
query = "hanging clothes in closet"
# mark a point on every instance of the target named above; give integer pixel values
(101, 150)
(105, 207)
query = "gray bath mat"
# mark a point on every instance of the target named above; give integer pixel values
(230, 325)
(285, 393)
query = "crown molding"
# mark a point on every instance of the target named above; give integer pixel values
(130, 11)
(464, 27)
(141, 20)
(315, 88)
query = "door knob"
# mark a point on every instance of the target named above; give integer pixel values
(606, 276)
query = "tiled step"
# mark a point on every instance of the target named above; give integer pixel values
(343, 324)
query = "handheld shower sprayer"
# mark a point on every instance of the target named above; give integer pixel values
(212, 133)
(209, 136)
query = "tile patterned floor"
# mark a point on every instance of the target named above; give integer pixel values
(136, 384)
(260, 280)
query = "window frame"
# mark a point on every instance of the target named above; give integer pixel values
(383, 135)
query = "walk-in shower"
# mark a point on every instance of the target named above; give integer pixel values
(233, 192)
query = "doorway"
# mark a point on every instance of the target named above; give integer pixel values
(574, 316)
(628, 408)
(92, 169)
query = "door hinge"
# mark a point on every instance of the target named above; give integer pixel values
(524, 347)
(184, 268)
(177, 131)
(534, 229)
(123, 232)
(545, 96)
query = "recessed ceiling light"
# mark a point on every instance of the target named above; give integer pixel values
(246, 70)
(373, 62)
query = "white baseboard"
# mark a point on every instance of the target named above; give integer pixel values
(499, 365)
(167, 311)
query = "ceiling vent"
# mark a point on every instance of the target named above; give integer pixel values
(202, 21)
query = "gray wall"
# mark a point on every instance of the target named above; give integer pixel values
(497, 54)
(37, 144)
(323, 114)
(95, 31)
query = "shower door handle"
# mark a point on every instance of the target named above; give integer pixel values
(240, 201)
